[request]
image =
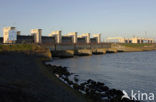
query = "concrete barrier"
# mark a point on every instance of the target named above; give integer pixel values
(83, 52)
(99, 51)
(63, 53)
(111, 50)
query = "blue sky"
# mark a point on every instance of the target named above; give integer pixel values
(124, 18)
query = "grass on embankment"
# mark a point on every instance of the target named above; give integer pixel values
(137, 45)
(57, 86)
(131, 47)
(19, 47)
(27, 49)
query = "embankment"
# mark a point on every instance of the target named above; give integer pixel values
(134, 47)
(24, 78)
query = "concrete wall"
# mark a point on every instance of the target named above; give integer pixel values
(93, 40)
(86, 36)
(67, 39)
(48, 40)
(73, 35)
(25, 39)
(60, 47)
(98, 37)
(81, 40)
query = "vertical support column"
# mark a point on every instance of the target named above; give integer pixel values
(57, 35)
(98, 37)
(37, 33)
(9, 34)
(88, 37)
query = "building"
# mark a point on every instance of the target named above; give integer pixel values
(57, 35)
(9, 35)
(135, 40)
(138, 40)
(37, 33)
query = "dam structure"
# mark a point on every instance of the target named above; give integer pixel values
(66, 45)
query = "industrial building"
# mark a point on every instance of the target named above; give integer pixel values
(11, 35)
(135, 40)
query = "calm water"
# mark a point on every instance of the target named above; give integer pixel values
(125, 71)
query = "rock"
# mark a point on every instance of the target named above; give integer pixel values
(101, 84)
(104, 88)
(70, 82)
(76, 79)
(76, 86)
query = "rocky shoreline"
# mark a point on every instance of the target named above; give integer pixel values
(97, 91)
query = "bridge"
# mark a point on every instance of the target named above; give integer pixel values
(69, 50)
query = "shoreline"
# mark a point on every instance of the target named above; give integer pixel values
(81, 86)
(33, 61)
(30, 77)
(34, 79)
(95, 90)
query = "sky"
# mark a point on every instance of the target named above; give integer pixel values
(111, 18)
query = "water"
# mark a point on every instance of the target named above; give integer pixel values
(124, 71)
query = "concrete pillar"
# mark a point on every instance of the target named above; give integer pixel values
(73, 35)
(37, 33)
(57, 35)
(87, 37)
(121, 40)
(9, 34)
(134, 40)
(98, 37)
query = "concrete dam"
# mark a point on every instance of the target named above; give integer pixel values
(69, 50)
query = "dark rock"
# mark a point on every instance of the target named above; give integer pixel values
(76, 86)
(101, 84)
(76, 79)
